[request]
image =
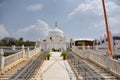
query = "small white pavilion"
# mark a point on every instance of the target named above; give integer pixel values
(55, 40)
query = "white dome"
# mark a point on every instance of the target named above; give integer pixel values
(56, 32)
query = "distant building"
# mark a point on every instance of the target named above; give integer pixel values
(81, 42)
(103, 41)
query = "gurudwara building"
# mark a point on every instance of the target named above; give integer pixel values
(55, 40)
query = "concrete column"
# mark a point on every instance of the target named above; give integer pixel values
(23, 51)
(35, 50)
(107, 62)
(108, 52)
(13, 47)
(115, 48)
(35, 47)
(96, 47)
(1, 59)
(28, 52)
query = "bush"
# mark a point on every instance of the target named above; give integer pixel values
(47, 55)
(64, 55)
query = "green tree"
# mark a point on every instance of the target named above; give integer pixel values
(20, 42)
(29, 43)
(7, 41)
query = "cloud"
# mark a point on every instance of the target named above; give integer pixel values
(87, 8)
(3, 31)
(94, 8)
(35, 7)
(38, 30)
(91, 12)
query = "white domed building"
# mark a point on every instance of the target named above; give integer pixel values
(56, 39)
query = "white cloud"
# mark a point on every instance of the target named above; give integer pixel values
(35, 7)
(38, 30)
(3, 31)
(94, 8)
(87, 8)
(91, 12)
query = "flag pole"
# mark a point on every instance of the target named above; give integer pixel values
(107, 30)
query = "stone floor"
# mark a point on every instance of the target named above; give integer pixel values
(56, 69)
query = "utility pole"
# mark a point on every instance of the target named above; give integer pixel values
(107, 30)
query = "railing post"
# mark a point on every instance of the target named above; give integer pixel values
(96, 48)
(115, 48)
(28, 52)
(23, 51)
(107, 53)
(35, 47)
(107, 62)
(1, 59)
(13, 47)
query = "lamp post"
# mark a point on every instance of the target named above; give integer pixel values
(107, 29)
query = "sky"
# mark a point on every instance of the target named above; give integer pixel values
(32, 19)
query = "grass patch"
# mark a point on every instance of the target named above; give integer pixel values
(8, 53)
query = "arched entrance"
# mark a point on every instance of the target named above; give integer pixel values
(56, 49)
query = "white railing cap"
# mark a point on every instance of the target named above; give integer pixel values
(1, 52)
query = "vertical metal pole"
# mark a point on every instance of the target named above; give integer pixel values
(107, 29)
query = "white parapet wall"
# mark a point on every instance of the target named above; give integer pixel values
(104, 61)
(33, 52)
(14, 48)
(12, 60)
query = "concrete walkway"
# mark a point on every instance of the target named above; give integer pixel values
(56, 69)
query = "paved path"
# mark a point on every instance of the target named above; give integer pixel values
(56, 69)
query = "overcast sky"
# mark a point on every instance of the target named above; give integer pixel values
(32, 19)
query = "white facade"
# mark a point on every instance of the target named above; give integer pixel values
(115, 40)
(55, 40)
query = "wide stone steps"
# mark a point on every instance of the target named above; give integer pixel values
(30, 69)
(8, 74)
(105, 74)
(81, 69)
(94, 68)
(11, 72)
